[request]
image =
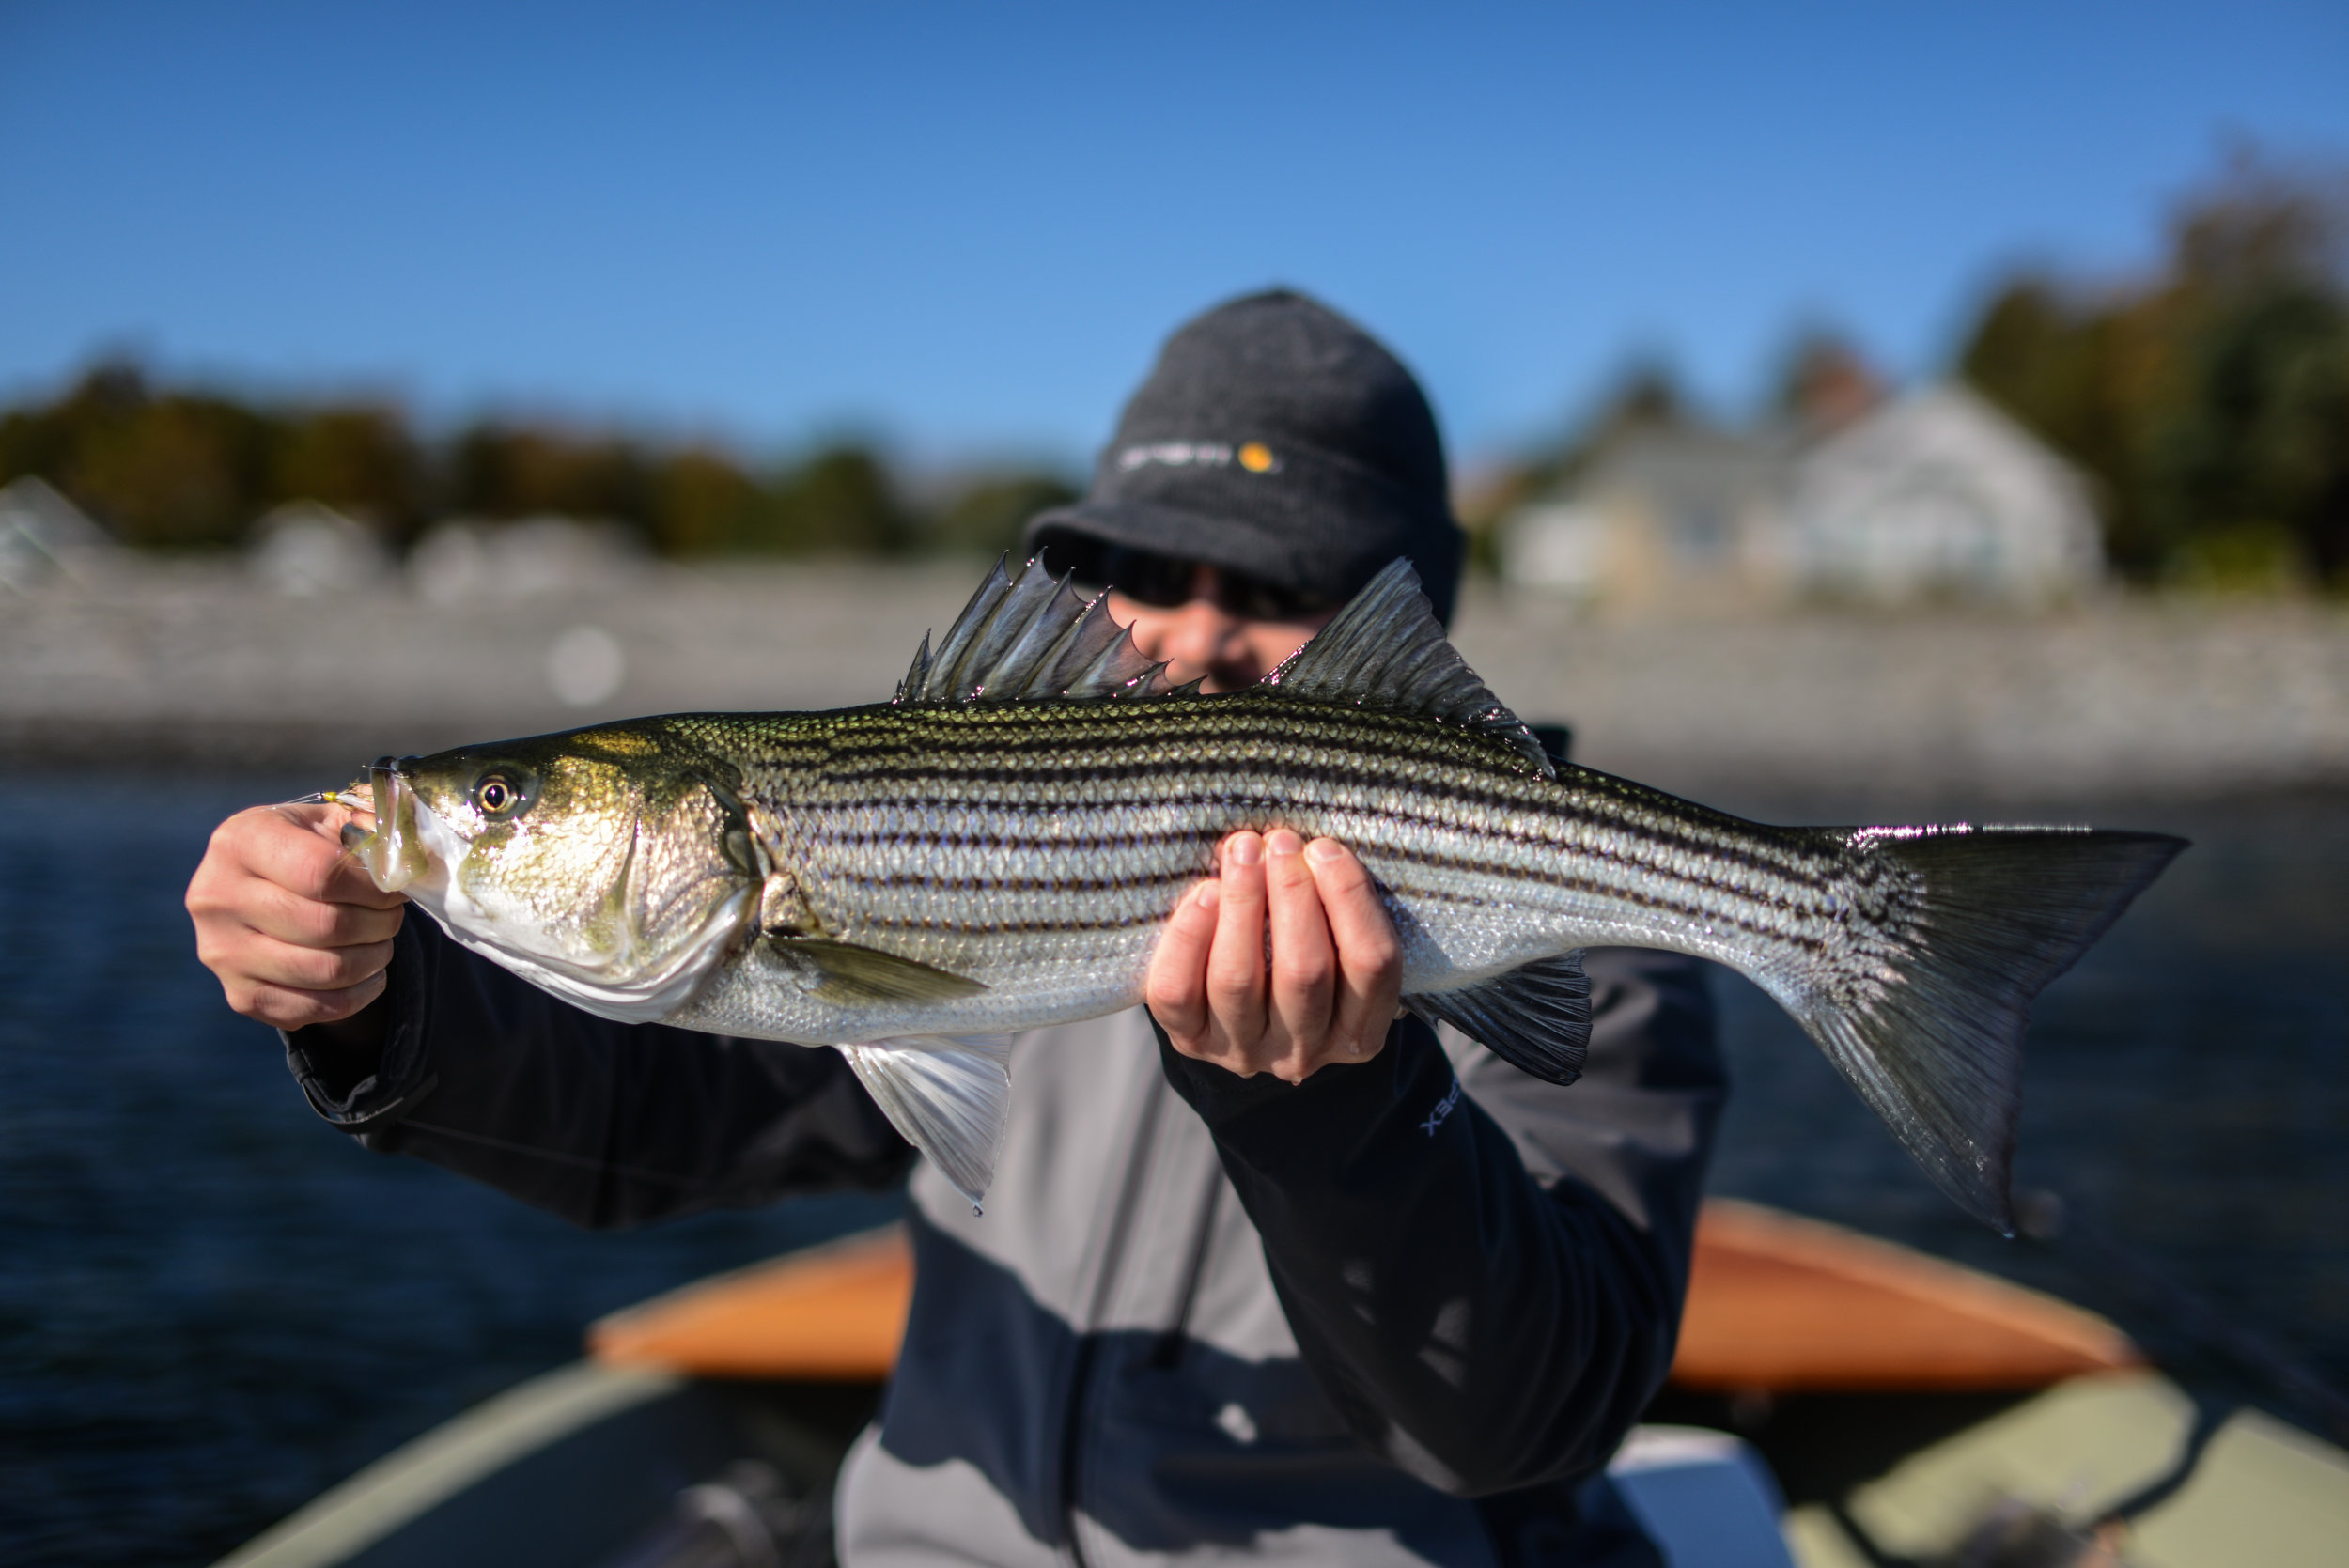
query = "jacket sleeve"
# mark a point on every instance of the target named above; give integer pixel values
(1483, 1271)
(605, 1123)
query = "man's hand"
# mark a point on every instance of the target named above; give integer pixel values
(1336, 969)
(296, 931)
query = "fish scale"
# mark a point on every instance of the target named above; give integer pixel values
(1031, 834)
(914, 881)
(1053, 837)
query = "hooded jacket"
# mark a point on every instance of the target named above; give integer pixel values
(1400, 1314)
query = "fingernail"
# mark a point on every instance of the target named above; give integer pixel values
(1247, 850)
(1282, 841)
(1203, 895)
(1321, 851)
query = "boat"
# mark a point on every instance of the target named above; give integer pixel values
(1838, 1401)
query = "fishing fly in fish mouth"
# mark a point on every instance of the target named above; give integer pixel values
(1000, 846)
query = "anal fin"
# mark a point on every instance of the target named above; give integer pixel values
(1535, 1018)
(948, 1097)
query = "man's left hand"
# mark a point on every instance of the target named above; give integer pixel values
(1336, 969)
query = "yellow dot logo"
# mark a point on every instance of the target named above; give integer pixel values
(1256, 458)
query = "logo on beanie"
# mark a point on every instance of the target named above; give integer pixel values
(1256, 457)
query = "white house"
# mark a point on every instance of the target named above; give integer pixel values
(306, 548)
(1935, 493)
(465, 560)
(1938, 492)
(1674, 513)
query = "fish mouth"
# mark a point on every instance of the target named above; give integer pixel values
(395, 853)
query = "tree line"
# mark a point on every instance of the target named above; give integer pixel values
(2209, 400)
(189, 469)
(2206, 400)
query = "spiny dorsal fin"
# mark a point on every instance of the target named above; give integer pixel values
(1387, 650)
(1030, 636)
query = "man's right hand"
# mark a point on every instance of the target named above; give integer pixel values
(296, 930)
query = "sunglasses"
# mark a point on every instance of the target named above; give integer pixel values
(1166, 583)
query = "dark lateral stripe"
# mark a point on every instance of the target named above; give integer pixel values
(1007, 927)
(948, 925)
(1054, 755)
(894, 880)
(1809, 877)
(1273, 782)
(1746, 912)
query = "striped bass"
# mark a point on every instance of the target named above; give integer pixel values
(1000, 848)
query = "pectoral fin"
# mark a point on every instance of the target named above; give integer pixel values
(948, 1097)
(845, 972)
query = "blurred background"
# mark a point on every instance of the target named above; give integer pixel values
(1857, 415)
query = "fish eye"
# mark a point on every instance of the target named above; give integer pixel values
(499, 795)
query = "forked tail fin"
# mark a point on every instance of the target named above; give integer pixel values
(1924, 1009)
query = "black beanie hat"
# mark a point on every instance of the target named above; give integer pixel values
(1275, 438)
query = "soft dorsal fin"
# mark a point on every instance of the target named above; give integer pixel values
(1030, 636)
(1387, 650)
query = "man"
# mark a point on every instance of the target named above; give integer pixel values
(1275, 1276)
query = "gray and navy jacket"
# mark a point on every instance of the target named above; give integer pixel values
(1399, 1314)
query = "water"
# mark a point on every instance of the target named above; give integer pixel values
(2185, 1089)
(211, 1306)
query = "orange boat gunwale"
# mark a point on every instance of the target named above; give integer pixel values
(1777, 1304)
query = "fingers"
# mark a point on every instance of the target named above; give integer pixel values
(295, 933)
(299, 848)
(1235, 966)
(1369, 980)
(283, 1007)
(1329, 988)
(294, 917)
(1176, 988)
(265, 961)
(1304, 967)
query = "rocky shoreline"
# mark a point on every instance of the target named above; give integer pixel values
(199, 665)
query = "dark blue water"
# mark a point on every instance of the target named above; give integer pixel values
(211, 1306)
(2185, 1090)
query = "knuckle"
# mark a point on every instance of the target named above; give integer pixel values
(1314, 971)
(1170, 998)
(1230, 986)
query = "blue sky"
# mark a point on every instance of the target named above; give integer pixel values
(966, 227)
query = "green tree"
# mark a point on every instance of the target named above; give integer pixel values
(497, 469)
(178, 470)
(705, 505)
(986, 516)
(2210, 402)
(838, 502)
(359, 459)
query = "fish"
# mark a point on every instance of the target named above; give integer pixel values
(999, 847)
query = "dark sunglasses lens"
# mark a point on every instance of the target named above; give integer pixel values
(1149, 578)
(1258, 600)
